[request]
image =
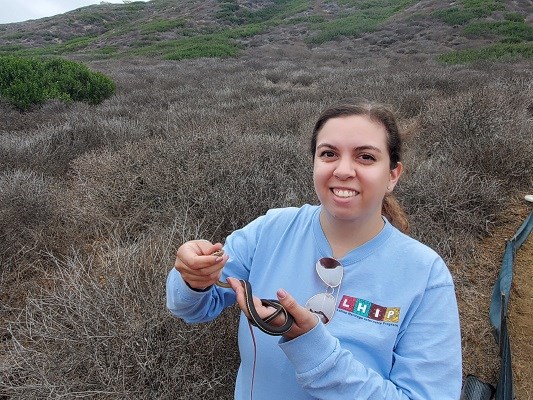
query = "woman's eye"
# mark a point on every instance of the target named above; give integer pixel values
(327, 154)
(367, 157)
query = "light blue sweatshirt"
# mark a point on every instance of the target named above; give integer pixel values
(395, 333)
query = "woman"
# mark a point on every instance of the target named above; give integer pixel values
(391, 330)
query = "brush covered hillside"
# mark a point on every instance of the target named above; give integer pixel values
(190, 28)
(209, 127)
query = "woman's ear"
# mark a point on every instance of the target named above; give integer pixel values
(394, 176)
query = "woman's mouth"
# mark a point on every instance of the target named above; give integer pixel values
(344, 193)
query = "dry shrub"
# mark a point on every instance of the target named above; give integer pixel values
(216, 176)
(14, 120)
(470, 156)
(485, 130)
(37, 219)
(450, 208)
(29, 216)
(101, 330)
(50, 148)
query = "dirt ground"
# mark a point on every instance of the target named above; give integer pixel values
(483, 359)
(521, 320)
(520, 313)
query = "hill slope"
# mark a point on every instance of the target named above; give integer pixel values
(193, 28)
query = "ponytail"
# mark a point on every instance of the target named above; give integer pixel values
(394, 212)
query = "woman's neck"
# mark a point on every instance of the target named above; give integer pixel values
(344, 236)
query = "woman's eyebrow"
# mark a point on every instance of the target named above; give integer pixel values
(357, 148)
(330, 146)
(368, 147)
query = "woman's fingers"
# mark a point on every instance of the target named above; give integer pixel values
(196, 264)
(197, 254)
(304, 320)
(239, 292)
(262, 311)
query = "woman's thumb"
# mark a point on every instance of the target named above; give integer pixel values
(304, 320)
(287, 301)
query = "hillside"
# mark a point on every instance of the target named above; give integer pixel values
(191, 28)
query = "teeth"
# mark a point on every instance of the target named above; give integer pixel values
(344, 193)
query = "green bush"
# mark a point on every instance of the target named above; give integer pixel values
(348, 26)
(244, 31)
(11, 48)
(73, 44)
(277, 11)
(227, 12)
(497, 51)
(470, 10)
(458, 16)
(519, 31)
(514, 17)
(29, 81)
(162, 26)
(203, 46)
(492, 5)
(371, 15)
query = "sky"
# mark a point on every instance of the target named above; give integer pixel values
(23, 10)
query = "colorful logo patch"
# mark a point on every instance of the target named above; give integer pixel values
(366, 309)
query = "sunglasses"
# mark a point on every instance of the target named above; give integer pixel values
(330, 271)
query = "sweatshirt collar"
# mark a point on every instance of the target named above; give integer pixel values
(359, 252)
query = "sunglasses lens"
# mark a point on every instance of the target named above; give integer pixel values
(330, 271)
(323, 305)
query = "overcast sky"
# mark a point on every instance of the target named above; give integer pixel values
(23, 10)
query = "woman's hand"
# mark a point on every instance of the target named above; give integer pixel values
(304, 320)
(197, 266)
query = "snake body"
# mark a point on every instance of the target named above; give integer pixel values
(254, 318)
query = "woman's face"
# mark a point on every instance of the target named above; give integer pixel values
(351, 170)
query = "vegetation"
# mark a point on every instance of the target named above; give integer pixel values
(469, 10)
(203, 46)
(162, 26)
(221, 29)
(227, 12)
(277, 12)
(497, 51)
(514, 34)
(510, 31)
(197, 148)
(28, 81)
(94, 200)
(69, 46)
(367, 19)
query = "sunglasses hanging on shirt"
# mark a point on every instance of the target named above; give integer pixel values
(330, 271)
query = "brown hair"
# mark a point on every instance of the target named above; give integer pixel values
(381, 114)
(394, 212)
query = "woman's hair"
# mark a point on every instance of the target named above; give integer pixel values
(381, 114)
(395, 213)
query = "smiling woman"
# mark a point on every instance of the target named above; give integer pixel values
(370, 317)
(352, 176)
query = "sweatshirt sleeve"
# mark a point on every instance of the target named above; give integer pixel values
(426, 358)
(194, 306)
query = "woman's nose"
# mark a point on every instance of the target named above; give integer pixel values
(345, 169)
